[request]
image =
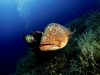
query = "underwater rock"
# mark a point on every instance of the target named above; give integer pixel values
(55, 37)
(69, 60)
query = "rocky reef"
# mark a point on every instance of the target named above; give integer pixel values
(60, 51)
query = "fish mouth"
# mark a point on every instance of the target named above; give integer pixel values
(47, 47)
(45, 44)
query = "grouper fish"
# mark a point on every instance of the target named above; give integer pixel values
(55, 37)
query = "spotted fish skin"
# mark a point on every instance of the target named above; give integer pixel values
(55, 37)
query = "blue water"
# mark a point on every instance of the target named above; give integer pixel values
(20, 17)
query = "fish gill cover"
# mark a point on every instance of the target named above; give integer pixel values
(80, 57)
